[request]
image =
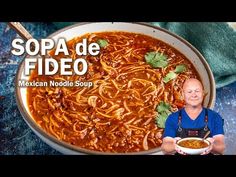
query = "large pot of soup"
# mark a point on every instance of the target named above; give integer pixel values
(139, 69)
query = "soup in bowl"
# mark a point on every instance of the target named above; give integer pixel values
(140, 68)
(193, 145)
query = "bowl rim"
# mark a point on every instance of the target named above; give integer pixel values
(36, 129)
(195, 138)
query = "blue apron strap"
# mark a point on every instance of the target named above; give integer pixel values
(206, 120)
(179, 121)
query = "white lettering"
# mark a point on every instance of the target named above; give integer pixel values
(84, 68)
(47, 66)
(28, 66)
(95, 47)
(19, 49)
(83, 45)
(28, 46)
(61, 47)
(64, 66)
(46, 44)
(40, 66)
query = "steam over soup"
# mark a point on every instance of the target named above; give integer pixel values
(132, 75)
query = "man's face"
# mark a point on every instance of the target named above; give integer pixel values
(193, 93)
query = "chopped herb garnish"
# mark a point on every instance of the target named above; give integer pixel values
(161, 120)
(163, 112)
(102, 43)
(156, 59)
(163, 106)
(171, 75)
(180, 68)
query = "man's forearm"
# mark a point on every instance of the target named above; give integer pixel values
(218, 148)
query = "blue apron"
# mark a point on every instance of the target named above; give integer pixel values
(193, 132)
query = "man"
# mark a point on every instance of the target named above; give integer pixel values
(193, 120)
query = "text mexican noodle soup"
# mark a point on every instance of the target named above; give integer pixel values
(132, 75)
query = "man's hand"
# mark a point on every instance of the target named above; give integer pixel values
(176, 147)
(210, 147)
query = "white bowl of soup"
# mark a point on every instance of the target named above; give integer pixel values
(193, 145)
(117, 115)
